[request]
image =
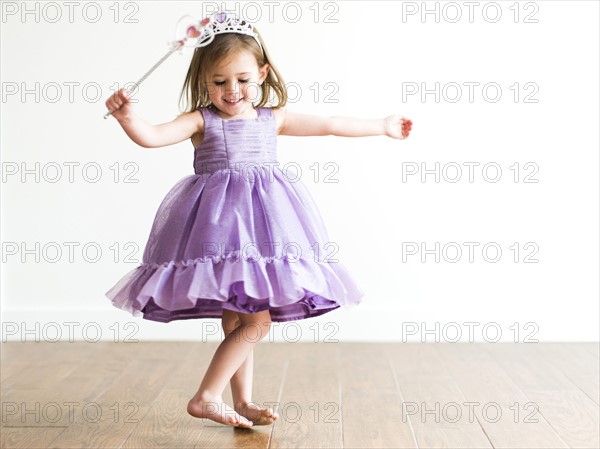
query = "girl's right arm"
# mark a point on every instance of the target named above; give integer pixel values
(152, 136)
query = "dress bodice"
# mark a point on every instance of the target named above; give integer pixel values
(228, 144)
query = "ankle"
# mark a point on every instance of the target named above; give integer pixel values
(207, 396)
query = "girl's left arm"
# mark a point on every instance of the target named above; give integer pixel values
(294, 124)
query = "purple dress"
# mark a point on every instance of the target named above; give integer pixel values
(239, 235)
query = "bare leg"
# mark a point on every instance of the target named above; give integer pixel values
(241, 381)
(229, 356)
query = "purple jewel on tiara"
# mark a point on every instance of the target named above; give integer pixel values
(221, 17)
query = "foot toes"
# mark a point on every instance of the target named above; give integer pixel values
(246, 423)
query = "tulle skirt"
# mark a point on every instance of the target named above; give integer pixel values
(245, 242)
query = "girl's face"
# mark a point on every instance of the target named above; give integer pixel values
(235, 83)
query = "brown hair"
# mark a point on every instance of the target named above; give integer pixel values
(195, 86)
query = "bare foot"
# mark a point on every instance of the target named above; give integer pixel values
(216, 410)
(258, 415)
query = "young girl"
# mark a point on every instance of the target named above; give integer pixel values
(237, 240)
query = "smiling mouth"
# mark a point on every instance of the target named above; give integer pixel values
(233, 101)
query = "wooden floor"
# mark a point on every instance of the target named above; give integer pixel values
(335, 395)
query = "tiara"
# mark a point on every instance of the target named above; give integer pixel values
(222, 23)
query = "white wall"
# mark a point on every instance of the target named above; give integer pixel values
(374, 57)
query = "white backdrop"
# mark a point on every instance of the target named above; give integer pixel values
(504, 100)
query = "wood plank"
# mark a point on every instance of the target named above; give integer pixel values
(55, 403)
(349, 394)
(433, 402)
(371, 403)
(37, 409)
(44, 364)
(166, 424)
(126, 399)
(506, 419)
(572, 415)
(28, 437)
(592, 347)
(310, 400)
(67, 399)
(576, 363)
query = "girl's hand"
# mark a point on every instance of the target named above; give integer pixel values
(397, 127)
(120, 105)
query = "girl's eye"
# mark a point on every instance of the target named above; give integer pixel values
(220, 83)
